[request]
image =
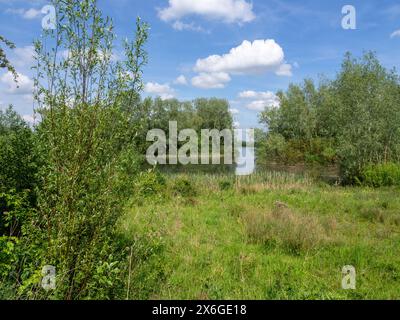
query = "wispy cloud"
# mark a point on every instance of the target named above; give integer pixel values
(28, 14)
(395, 34)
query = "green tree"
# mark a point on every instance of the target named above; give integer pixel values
(367, 111)
(86, 141)
(354, 119)
(213, 113)
(17, 159)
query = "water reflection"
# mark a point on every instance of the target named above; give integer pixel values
(246, 161)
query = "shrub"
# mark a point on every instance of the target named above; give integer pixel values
(182, 186)
(8, 256)
(226, 185)
(18, 165)
(149, 184)
(382, 175)
(14, 208)
(86, 139)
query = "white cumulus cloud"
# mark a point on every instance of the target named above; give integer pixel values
(23, 87)
(256, 57)
(284, 70)
(258, 101)
(164, 91)
(215, 80)
(23, 56)
(250, 57)
(229, 11)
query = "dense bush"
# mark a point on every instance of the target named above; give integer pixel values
(18, 169)
(382, 175)
(8, 257)
(226, 184)
(149, 184)
(18, 165)
(184, 187)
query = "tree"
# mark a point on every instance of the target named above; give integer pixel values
(214, 113)
(367, 109)
(17, 164)
(86, 142)
(355, 118)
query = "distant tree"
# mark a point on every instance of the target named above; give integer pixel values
(213, 113)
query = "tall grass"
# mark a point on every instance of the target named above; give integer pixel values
(284, 227)
(258, 181)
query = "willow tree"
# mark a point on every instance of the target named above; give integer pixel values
(356, 116)
(366, 109)
(85, 98)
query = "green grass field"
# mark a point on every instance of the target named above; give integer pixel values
(270, 236)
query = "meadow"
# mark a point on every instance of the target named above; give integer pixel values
(267, 236)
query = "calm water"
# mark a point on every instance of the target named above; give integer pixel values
(246, 162)
(247, 166)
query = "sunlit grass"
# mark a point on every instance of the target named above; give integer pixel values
(268, 236)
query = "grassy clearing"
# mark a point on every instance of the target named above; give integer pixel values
(270, 236)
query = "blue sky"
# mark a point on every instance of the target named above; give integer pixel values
(234, 49)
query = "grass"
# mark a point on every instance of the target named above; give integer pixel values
(269, 236)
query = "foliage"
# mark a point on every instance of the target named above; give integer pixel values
(149, 184)
(353, 120)
(226, 184)
(86, 144)
(8, 256)
(197, 115)
(382, 175)
(13, 209)
(18, 163)
(18, 168)
(182, 186)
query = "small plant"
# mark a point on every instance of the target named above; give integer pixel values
(8, 256)
(183, 187)
(382, 175)
(226, 185)
(149, 184)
